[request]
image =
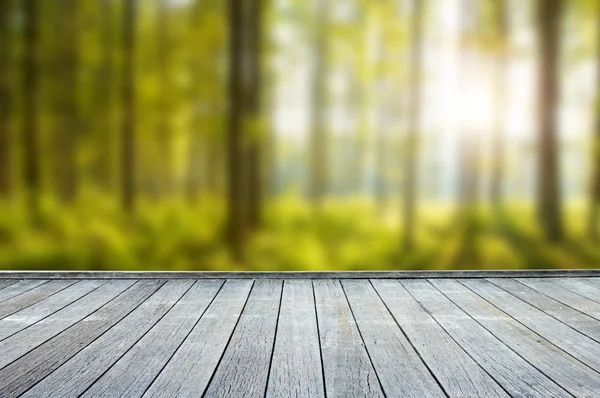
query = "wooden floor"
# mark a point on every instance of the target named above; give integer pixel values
(348, 337)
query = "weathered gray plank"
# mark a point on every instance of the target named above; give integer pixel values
(7, 282)
(244, 367)
(20, 287)
(28, 316)
(85, 367)
(131, 375)
(32, 296)
(566, 296)
(556, 332)
(299, 275)
(398, 366)
(460, 375)
(296, 365)
(188, 372)
(575, 319)
(517, 376)
(348, 370)
(28, 370)
(565, 370)
(27, 339)
(586, 287)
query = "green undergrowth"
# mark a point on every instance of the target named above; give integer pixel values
(94, 234)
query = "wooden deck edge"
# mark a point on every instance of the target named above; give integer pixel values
(298, 275)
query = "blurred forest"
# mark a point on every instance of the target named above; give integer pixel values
(299, 134)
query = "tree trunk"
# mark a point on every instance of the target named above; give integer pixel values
(105, 83)
(412, 143)
(549, 201)
(500, 79)
(319, 168)
(68, 126)
(593, 231)
(235, 152)
(164, 169)
(128, 149)
(31, 167)
(5, 98)
(254, 115)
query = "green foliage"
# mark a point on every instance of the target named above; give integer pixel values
(342, 235)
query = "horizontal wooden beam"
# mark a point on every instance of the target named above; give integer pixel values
(299, 275)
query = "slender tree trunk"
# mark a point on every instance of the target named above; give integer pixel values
(500, 80)
(105, 83)
(409, 209)
(5, 98)
(235, 152)
(31, 167)
(549, 200)
(164, 169)
(128, 149)
(593, 231)
(254, 115)
(68, 133)
(319, 168)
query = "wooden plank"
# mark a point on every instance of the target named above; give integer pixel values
(131, 375)
(565, 370)
(188, 372)
(454, 369)
(565, 296)
(298, 275)
(346, 364)
(28, 370)
(28, 316)
(244, 367)
(399, 368)
(586, 287)
(32, 296)
(575, 319)
(517, 376)
(78, 373)
(556, 332)
(296, 369)
(7, 282)
(27, 339)
(20, 287)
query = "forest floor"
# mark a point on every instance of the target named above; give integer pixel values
(341, 235)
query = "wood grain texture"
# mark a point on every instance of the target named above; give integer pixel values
(565, 296)
(189, 371)
(585, 287)
(27, 339)
(7, 282)
(32, 296)
(84, 368)
(37, 364)
(20, 287)
(244, 367)
(568, 315)
(314, 337)
(565, 370)
(517, 376)
(296, 365)
(38, 311)
(401, 371)
(131, 375)
(556, 332)
(347, 367)
(460, 375)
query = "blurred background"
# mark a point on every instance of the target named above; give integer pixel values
(299, 134)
